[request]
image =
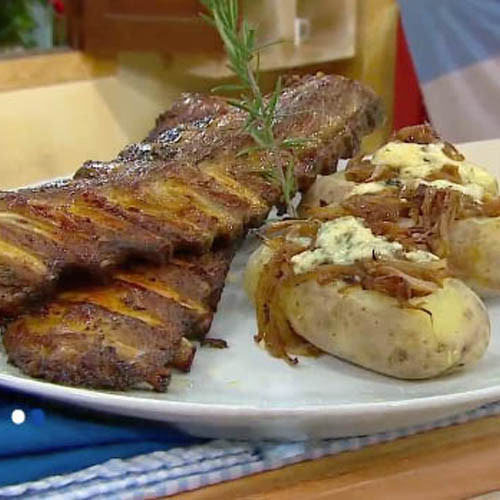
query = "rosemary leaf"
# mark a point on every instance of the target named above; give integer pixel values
(244, 61)
(246, 151)
(296, 142)
(229, 87)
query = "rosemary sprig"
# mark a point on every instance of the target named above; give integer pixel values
(243, 55)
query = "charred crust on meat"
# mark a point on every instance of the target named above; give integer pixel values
(167, 200)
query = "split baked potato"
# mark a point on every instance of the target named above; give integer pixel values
(437, 328)
(472, 238)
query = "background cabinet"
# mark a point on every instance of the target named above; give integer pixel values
(309, 31)
(106, 27)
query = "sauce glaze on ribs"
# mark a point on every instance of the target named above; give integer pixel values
(182, 189)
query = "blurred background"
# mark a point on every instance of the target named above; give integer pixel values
(81, 78)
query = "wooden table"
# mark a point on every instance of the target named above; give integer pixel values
(457, 462)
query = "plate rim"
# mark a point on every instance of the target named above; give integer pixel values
(174, 409)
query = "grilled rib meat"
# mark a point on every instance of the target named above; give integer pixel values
(132, 330)
(144, 204)
(177, 299)
(196, 110)
(127, 332)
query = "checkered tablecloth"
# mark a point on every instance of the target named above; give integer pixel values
(181, 469)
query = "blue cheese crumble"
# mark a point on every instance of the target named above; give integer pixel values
(417, 161)
(346, 240)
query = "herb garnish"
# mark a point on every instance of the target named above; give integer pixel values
(244, 60)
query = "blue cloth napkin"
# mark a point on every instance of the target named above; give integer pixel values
(59, 452)
(185, 468)
(54, 439)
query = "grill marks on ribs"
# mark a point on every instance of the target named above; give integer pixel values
(125, 333)
(144, 204)
(183, 188)
(128, 332)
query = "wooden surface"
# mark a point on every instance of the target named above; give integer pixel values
(452, 463)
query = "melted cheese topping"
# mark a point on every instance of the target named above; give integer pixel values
(346, 240)
(368, 188)
(420, 256)
(300, 240)
(417, 161)
(475, 191)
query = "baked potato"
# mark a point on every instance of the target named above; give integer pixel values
(443, 331)
(474, 253)
(473, 243)
(472, 238)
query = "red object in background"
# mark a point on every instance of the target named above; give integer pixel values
(409, 107)
(58, 6)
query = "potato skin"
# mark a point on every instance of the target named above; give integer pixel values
(474, 242)
(258, 259)
(325, 190)
(370, 329)
(474, 253)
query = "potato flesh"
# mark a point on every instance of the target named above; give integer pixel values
(370, 329)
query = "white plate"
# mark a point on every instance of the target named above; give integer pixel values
(242, 392)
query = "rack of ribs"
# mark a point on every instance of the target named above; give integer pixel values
(180, 201)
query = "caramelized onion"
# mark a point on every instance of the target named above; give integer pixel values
(447, 172)
(400, 279)
(418, 134)
(452, 152)
(376, 207)
(359, 170)
(274, 329)
(490, 208)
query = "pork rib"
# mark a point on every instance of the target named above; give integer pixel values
(128, 332)
(80, 345)
(132, 330)
(183, 191)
